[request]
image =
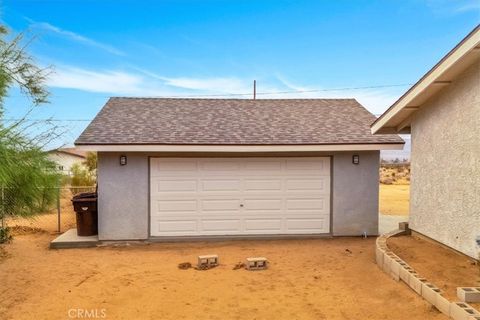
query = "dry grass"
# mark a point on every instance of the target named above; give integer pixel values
(306, 279)
(394, 199)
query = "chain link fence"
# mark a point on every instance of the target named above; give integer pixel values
(54, 215)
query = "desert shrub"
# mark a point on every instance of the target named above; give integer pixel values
(5, 234)
(386, 181)
(81, 176)
(27, 177)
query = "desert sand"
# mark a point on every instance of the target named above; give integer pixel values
(307, 279)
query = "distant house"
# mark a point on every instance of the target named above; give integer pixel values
(66, 158)
(442, 113)
(235, 168)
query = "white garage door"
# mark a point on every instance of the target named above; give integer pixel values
(239, 196)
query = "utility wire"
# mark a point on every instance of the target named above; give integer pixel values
(267, 93)
(226, 95)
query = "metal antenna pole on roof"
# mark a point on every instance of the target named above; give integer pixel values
(254, 89)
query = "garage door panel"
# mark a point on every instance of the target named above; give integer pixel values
(263, 225)
(176, 205)
(262, 204)
(306, 224)
(307, 166)
(234, 196)
(262, 185)
(263, 166)
(176, 226)
(220, 205)
(221, 225)
(306, 204)
(320, 184)
(223, 185)
(162, 167)
(169, 185)
(219, 166)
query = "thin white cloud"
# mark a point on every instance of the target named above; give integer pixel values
(473, 6)
(145, 83)
(219, 85)
(112, 82)
(452, 7)
(375, 100)
(75, 37)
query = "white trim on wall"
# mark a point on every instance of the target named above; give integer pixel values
(239, 148)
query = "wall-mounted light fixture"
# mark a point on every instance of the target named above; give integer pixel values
(123, 160)
(355, 159)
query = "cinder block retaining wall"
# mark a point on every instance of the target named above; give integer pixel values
(399, 270)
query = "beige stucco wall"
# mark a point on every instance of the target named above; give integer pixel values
(445, 185)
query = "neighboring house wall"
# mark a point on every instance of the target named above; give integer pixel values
(124, 194)
(64, 161)
(445, 182)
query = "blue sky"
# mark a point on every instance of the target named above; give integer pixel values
(100, 49)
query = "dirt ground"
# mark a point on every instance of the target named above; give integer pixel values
(307, 279)
(48, 221)
(394, 199)
(443, 267)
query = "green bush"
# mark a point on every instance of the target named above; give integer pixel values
(28, 179)
(5, 235)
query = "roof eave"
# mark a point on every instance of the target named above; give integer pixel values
(397, 118)
(239, 148)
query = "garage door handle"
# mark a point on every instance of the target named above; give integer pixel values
(241, 205)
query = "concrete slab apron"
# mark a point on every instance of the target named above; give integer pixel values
(70, 239)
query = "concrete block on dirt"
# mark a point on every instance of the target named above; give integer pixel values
(387, 261)
(208, 260)
(462, 311)
(430, 292)
(395, 269)
(404, 227)
(405, 273)
(416, 282)
(257, 263)
(468, 294)
(443, 305)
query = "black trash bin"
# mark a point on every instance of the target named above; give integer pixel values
(85, 207)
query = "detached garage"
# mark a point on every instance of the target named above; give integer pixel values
(171, 168)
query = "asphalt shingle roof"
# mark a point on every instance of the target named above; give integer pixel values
(232, 122)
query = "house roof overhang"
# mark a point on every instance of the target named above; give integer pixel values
(397, 118)
(240, 148)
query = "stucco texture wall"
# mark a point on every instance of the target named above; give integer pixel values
(355, 194)
(124, 191)
(123, 197)
(445, 182)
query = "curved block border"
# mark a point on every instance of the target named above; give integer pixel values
(399, 270)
